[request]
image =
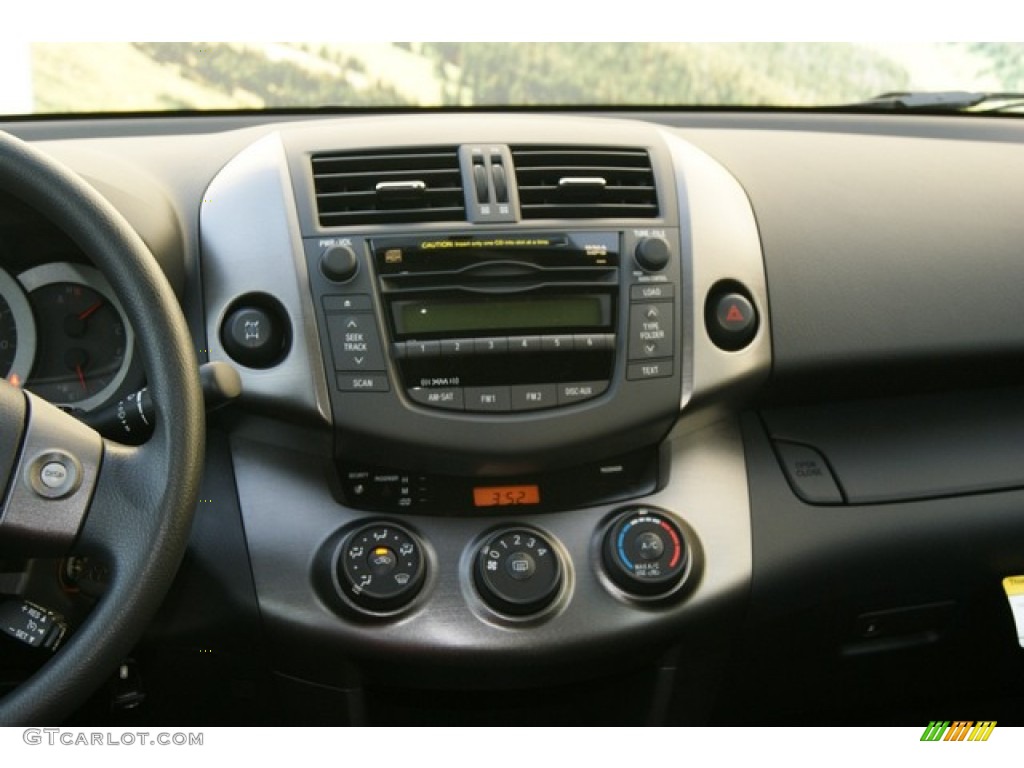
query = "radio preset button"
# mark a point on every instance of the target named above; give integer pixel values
(524, 343)
(583, 342)
(490, 345)
(449, 398)
(416, 349)
(532, 397)
(488, 399)
(557, 343)
(455, 347)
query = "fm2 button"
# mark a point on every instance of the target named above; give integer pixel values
(731, 319)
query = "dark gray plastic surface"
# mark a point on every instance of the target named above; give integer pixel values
(882, 250)
(911, 448)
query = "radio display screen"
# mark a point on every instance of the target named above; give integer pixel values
(429, 316)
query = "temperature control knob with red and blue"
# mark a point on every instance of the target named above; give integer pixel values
(645, 552)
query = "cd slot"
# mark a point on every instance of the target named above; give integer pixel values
(501, 276)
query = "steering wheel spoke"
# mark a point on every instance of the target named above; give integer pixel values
(51, 480)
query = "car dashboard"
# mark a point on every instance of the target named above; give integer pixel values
(648, 418)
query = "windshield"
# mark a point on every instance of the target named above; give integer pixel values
(68, 78)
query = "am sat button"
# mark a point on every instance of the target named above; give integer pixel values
(449, 398)
(808, 473)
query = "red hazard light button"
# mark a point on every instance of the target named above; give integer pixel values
(731, 320)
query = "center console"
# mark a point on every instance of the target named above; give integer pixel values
(483, 424)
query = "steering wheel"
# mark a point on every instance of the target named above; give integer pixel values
(69, 490)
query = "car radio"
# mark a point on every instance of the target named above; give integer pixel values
(518, 332)
(500, 324)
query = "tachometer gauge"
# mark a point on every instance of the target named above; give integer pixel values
(17, 332)
(84, 344)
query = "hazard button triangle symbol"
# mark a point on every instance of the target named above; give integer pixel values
(734, 315)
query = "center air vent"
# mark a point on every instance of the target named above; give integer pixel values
(388, 186)
(574, 182)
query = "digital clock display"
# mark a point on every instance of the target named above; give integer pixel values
(506, 495)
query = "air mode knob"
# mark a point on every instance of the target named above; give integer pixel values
(652, 253)
(381, 567)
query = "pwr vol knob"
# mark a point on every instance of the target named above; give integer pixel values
(645, 552)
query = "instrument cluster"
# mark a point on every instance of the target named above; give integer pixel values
(63, 334)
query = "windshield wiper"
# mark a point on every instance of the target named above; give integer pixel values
(940, 101)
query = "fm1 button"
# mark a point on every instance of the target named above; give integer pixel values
(731, 320)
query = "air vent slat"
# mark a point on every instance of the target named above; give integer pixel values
(382, 187)
(542, 173)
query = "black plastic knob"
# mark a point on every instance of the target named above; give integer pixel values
(652, 253)
(381, 567)
(517, 572)
(339, 263)
(645, 552)
(254, 336)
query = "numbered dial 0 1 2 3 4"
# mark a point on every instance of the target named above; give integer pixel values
(381, 567)
(517, 572)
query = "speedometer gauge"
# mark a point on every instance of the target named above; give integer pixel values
(17, 332)
(84, 343)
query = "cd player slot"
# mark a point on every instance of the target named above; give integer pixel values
(497, 276)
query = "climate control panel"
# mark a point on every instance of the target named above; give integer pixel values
(516, 570)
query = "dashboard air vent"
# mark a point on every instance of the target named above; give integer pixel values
(576, 182)
(388, 186)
